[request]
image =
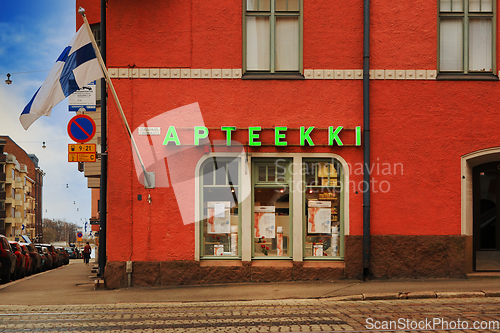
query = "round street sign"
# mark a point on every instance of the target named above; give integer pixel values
(79, 234)
(81, 128)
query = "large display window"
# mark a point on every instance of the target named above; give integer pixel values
(272, 207)
(272, 216)
(221, 221)
(323, 218)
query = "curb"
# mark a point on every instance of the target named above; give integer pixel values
(416, 295)
(469, 294)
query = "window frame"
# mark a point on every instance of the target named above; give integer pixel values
(201, 238)
(272, 73)
(288, 181)
(341, 185)
(465, 73)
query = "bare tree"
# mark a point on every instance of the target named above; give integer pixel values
(59, 230)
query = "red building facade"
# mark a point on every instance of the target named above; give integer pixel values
(251, 124)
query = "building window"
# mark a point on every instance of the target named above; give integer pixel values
(272, 199)
(221, 220)
(272, 36)
(466, 36)
(323, 218)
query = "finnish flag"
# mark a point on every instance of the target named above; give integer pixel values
(76, 66)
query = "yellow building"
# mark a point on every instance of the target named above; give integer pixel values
(14, 197)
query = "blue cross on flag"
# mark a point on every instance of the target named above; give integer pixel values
(76, 66)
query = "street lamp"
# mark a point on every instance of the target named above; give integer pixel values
(8, 81)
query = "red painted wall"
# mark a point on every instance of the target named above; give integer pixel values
(428, 126)
(92, 12)
(419, 128)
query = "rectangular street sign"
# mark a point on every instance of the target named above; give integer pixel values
(86, 157)
(82, 157)
(82, 148)
(84, 98)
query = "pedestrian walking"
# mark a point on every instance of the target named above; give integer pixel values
(86, 253)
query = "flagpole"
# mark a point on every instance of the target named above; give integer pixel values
(81, 11)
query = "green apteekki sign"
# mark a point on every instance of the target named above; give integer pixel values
(280, 132)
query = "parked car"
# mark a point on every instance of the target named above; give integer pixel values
(36, 258)
(72, 252)
(62, 254)
(55, 259)
(21, 260)
(7, 261)
(28, 266)
(46, 255)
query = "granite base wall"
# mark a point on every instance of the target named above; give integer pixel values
(392, 256)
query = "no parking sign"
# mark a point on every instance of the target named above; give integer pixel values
(81, 128)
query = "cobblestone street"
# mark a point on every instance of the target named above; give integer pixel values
(64, 300)
(313, 315)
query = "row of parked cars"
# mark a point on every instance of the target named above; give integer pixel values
(18, 260)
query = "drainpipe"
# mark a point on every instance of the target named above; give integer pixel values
(366, 140)
(104, 153)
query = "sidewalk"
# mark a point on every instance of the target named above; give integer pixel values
(74, 284)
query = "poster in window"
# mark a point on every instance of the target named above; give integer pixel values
(264, 222)
(319, 217)
(218, 217)
(327, 169)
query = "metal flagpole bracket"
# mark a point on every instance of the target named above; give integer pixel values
(150, 181)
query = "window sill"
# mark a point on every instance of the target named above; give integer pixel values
(269, 76)
(272, 263)
(467, 77)
(209, 263)
(322, 263)
(326, 260)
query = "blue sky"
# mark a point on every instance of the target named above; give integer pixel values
(32, 35)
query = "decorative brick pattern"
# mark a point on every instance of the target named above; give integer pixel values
(236, 73)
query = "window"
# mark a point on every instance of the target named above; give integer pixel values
(220, 227)
(273, 36)
(272, 218)
(466, 36)
(323, 227)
